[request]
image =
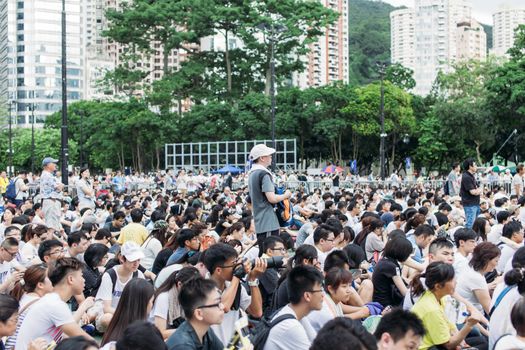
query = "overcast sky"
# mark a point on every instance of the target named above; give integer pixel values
(482, 9)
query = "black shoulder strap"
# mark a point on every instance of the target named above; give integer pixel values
(497, 341)
(280, 319)
(113, 275)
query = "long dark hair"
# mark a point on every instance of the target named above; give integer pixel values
(32, 276)
(132, 306)
(437, 273)
(184, 275)
(479, 227)
(516, 276)
(305, 251)
(482, 254)
(371, 226)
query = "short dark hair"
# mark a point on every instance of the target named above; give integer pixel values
(301, 279)
(141, 335)
(76, 343)
(510, 228)
(271, 241)
(343, 333)
(10, 242)
(102, 233)
(8, 306)
(424, 230)
(398, 323)
(136, 215)
(119, 215)
(337, 258)
(46, 246)
(76, 237)
(439, 243)
(467, 163)
(217, 254)
(502, 216)
(185, 234)
(464, 234)
(516, 317)
(61, 267)
(194, 294)
(322, 232)
(337, 276)
(482, 254)
(398, 248)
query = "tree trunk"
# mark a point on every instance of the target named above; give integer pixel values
(268, 82)
(158, 157)
(478, 153)
(340, 147)
(392, 159)
(139, 158)
(228, 63)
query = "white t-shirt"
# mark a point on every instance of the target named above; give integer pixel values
(495, 233)
(225, 330)
(517, 181)
(29, 252)
(510, 342)
(500, 320)
(104, 291)
(468, 282)
(44, 320)
(289, 334)
(161, 307)
(460, 263)
(318, 318)
(507, 252)
(165, 273)
(5, 271)
(151, 248)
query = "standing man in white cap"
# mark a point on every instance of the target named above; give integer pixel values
(262, 194)
(51, 193)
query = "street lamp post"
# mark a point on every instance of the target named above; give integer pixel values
(32, 108)
(383, 135)
(11, 103)
(64, 141)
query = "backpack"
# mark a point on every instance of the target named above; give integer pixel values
(446, 189)
(283, 209)
(113, 275)
(262, 330)
(10, 191)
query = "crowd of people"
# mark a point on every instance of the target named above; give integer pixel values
(198, 265)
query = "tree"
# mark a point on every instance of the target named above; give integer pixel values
(400, 76)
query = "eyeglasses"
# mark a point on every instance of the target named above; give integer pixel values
(330, 240)
(235, 264)
(282, 249)
(315, 291)
(61, 251)
(219, 305)
(13, 254)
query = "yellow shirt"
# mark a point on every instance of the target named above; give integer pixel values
(3, 184)
(133, 232)
(437, 327)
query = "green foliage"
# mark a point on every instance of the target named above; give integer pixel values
(47, 144)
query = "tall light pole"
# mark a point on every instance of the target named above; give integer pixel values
(382, 135)
(11, 103)
(32, 109)
(64, 146)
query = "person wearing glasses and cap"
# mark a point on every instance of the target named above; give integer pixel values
(262, 194)
(51, 193)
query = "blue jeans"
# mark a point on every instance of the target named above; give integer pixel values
(471, 213)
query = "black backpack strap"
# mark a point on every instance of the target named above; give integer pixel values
(497, 341)
(280, 319)
(113, 275)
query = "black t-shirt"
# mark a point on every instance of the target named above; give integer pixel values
(385, 291)
(441, 218)
(335, 180)
(92, 279)
(281, 297)
(161, 260)
(468, 182)
(268, 285)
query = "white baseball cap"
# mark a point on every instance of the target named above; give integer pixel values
(261, 150)
(131, 251)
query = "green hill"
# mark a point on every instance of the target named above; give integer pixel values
(369, 35)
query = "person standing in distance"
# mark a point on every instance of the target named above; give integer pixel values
(470, 192)
(262, 194)
(51, 192)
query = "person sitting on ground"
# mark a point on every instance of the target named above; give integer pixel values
(341, 334)
(510, 341)
(203, 307)
(399, 329)
(306, 295)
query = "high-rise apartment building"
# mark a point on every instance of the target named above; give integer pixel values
(427, 38)
(34, 61)
(471, 41)
(506, 20)
(3, 52)
(328, 59)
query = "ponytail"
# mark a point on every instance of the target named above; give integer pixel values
(516, 276)
(416, 286)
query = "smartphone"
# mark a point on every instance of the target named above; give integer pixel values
(356, 273)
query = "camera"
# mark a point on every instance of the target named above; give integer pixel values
(273, 262)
